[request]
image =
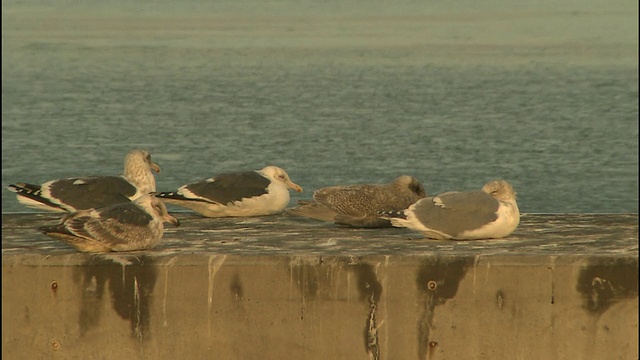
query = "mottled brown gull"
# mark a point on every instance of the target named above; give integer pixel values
(79, 193)
(245, 193)
(358, 205)
(482, 214)
(129, 226)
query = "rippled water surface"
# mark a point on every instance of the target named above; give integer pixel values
(544, 95)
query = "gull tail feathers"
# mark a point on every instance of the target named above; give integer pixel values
(392, 214)
(31, 196)
(397, 217)
(174, 196)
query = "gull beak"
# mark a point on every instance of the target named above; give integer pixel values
(155, 167)
(294, 186)
(171, 219)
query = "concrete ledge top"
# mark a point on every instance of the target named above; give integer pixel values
(284, 235)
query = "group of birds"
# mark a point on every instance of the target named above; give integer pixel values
(125, 213)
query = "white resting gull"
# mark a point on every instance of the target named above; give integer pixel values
(482, 214)
(247, 193)
(79, 193)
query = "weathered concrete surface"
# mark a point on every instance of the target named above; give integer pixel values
(562, 287)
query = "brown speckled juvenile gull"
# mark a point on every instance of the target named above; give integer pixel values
(483, 214)
(136, 225)
(358, 205)
(80, 193)
(246, 193)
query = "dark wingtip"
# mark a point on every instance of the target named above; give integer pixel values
(23, 188)
(388, 214)
(16, 188)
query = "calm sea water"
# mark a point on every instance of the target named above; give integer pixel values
(544, 95)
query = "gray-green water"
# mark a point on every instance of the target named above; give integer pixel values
(543, 94)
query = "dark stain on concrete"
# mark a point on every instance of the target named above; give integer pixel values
(130, 287)
(315, 280)
(315, 283)
(236, 287)
(27, 314)
(607, 281)
(370, 290)
(307, 278)
(500, 299)
(437, 281)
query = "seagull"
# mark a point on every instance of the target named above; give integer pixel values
(81, 193)
(246, 193)
(482, 214)
(129, 226)
(358, 205)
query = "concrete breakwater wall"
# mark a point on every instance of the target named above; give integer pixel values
(562, 287)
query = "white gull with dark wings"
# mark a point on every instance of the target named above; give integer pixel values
(246, 193)
(79, 193)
